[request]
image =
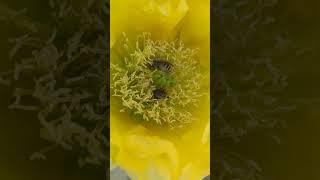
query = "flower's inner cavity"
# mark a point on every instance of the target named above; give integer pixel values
(156, 81)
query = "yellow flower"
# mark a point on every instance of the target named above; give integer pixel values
(160, 88)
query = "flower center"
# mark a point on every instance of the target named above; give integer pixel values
(156, 81)
(162, 78)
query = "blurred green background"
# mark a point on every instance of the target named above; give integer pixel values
(297, 156)
(20, 130)
(296, 27)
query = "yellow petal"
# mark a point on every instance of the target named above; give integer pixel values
(196, 141)
(144, 155)
(195, 28)
(147, 157)
(158, 17)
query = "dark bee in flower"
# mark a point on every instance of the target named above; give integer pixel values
(161, 65)
(159, 94)
(164, 66)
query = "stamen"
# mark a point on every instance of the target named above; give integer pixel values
(158, 82)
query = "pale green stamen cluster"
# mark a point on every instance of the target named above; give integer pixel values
(134, 83)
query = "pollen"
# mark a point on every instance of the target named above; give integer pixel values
(156, 81)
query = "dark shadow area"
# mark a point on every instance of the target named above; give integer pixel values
(54, 89)
(266, 95)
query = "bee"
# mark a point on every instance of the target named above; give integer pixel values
(159, 94)
(161, 65)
